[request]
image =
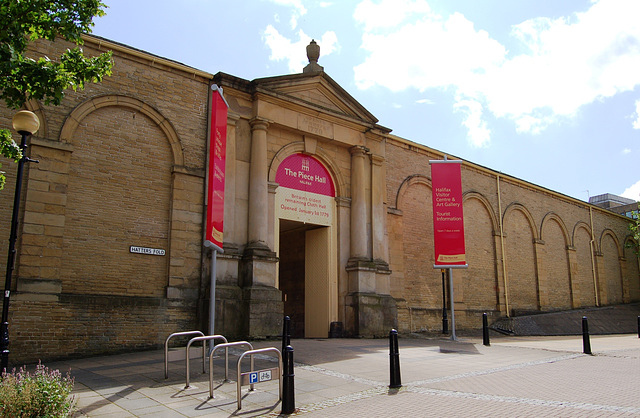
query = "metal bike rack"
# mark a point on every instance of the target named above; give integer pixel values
(204, 357)
(226, 362)
(166, 349)
(258, 376)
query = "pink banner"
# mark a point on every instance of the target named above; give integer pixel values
(217, 158)
(448, 218)
(305, 173)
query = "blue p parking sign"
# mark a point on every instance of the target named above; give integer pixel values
(258, 376)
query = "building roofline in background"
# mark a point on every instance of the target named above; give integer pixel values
(106, 44)
(609, 197)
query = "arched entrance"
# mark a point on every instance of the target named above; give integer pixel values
(306, 245)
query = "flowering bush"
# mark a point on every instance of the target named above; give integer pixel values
(44, 394)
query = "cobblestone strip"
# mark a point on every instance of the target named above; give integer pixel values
(344, 376)
(631, 353)
(494, 370)
(524, 401)
(341, 400)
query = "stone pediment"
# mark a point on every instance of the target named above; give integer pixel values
(318, 91)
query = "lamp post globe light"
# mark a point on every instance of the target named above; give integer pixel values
(26, 123)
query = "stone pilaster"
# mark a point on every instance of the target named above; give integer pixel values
(601, 291)
(258, 190)
(624, 282)
(186, 225)
(359, 247)
(262, 301)
(378, 210)
(542, 279)
(43, 225)
(503, 290)
(370, 310)
(573, 273)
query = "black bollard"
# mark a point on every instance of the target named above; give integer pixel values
(288, 391)
(585, 336)
(286, 333)
(394, 360)
(485, 330)
(639, 327)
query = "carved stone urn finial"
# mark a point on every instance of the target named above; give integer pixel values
(313, 53)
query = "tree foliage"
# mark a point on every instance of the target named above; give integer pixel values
(42, 78)
(24, 21)
(8, 149)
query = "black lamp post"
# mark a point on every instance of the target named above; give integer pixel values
(26, 123)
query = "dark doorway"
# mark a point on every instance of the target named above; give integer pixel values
(304, 272)
(292, 250)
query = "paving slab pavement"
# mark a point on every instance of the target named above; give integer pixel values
(514, 376)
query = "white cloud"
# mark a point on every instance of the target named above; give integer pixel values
(298, 10)
(328, 43)
(294, 52)
(626, 151)
(565, 63)
(479, 134)
(408, 57)
(388, 14)
(569, 64)
(636, 122)
(296, 4)
(632, 192)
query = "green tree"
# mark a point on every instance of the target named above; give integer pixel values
(22, 77)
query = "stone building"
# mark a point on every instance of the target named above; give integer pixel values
(122, 166)
(617, 204)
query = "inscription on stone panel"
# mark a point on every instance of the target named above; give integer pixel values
(315, 126)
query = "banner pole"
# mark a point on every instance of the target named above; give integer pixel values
(212, 299)
(448, 222)
(214, 225)
(451, 299)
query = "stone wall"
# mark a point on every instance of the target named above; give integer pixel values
(121, 164)
(542, 260)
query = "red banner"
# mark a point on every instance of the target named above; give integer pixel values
(217, 158)
(448, 218)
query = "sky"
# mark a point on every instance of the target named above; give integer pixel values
(546, 91)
